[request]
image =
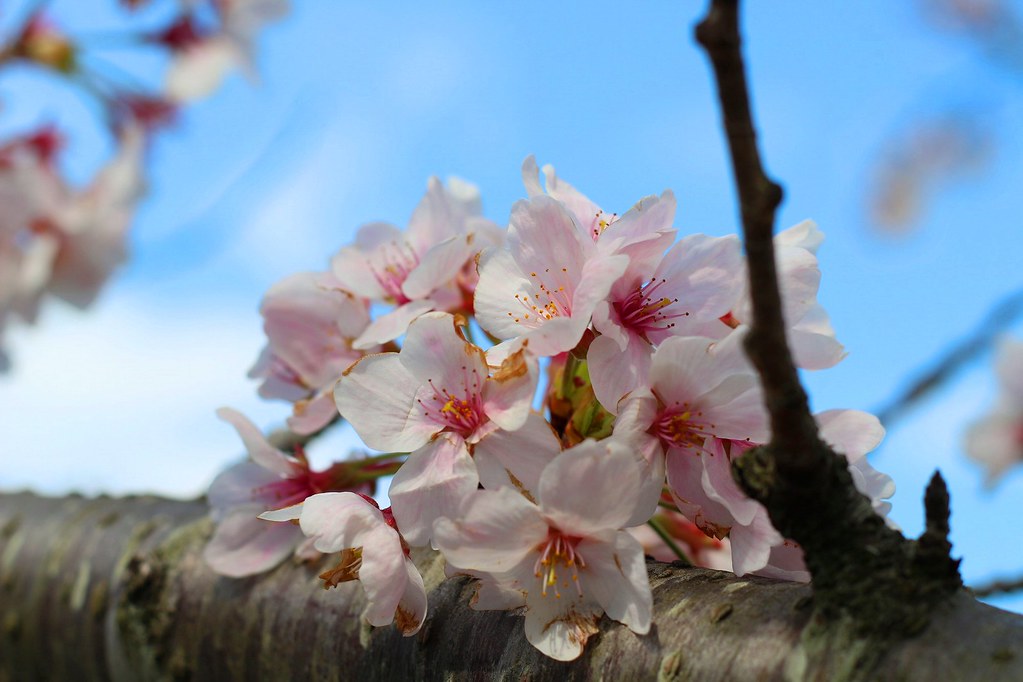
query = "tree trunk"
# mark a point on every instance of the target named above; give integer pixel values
(96, 589)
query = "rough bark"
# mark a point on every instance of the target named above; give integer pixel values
(116, 589)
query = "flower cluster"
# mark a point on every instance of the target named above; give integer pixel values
(62, 240)
(611, 392)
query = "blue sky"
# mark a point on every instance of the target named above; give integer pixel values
(358, 103)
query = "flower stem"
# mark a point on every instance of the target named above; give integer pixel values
(669, 541)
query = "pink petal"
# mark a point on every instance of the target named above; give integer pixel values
(312, 415)
(438, 265)
(508, 392)
(237, 486)
(244, 545)
(261, 452)
(392, 325)
(560, 627)
(353, 265)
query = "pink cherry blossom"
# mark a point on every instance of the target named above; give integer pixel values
(545, 285)
(421, 269)
(563, 556)
(659, 296)
(995, 441)
(270, 479)
(311, 325)
(810, 333)
(92, 230)
(435, 399)
(372, 552)
(705, 491)
(203, 58)
(649, 220)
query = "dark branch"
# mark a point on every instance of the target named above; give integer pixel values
(862, 570)
(1004, 313)
(1000, 586)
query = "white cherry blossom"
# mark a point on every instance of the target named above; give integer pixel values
(372, 552)
(563, 556)
(434, 399)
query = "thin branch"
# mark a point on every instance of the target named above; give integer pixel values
(805, 486)
(1001, 315)
(999, 586)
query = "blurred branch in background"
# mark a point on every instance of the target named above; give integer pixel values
(946, 367)
(1000, 586)
(937, 149)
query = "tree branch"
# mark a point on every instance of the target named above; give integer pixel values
(1001, 315)
(1000, 586)
(863, 571)
(116, 589)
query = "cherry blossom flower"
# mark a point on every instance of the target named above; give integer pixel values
(563, 556)
(704, 490)
(270, 479)
(202, 58)
(434, 399)
(996, 440)
(659, 296)
(372, 552)
(699, 394)
(310, 324)
(93, 227)
(546, 284)
(810, 334)
(422, 269)
(649, 220)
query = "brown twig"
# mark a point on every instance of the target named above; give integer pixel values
(999, 586)
(862, 570)
(1001, 315)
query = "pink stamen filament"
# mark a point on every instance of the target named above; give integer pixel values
(558, 548)
(643, 311)
(601, 222)
(463, 415)
(398, 261)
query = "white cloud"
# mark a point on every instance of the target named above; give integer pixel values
(121, 399)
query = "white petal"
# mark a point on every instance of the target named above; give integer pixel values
(383, 574)
(495, 532)
(377, 396)
(411, 611)
(508, 391)
(851, 432)
(616, 371)
(339, 520)
(516, 459)
(433, 482)
(616, 576)
(560, 627)
(591, 487)
(497, 309)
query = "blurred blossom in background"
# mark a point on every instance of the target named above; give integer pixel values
(335, 114)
